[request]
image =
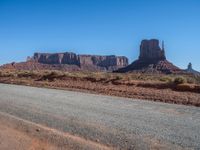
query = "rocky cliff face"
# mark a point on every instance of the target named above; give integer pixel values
(150, 50)
(87, 62)
(103, 61)
(56, 58)
(152, 59)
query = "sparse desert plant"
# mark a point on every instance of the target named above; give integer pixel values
(197, 78)
(190, 80)
(24, 74)
(53, 75)
(179, 80)
(118, 77)
(108, 75)
(166, 79)
(7, 73)
(127, 78)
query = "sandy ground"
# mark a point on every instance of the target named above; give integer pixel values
(18, 134)
(13, 139)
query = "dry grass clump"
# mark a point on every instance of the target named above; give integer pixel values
(167, 79)
(179, 80)
(19, 74)
(7, 73)
(28, 74)
(52, 75)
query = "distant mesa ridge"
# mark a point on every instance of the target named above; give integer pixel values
(152, 59)
(69, 61)
(85, 62)
(72, 58)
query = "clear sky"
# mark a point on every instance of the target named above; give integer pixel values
(99, 27)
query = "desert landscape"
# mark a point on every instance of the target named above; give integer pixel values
(43, 119)
(99, 75)
(151, 77)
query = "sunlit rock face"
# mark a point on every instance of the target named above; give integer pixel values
(150, 50)
(151, 59)
(86, 62)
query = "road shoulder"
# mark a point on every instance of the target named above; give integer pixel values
(25, 135)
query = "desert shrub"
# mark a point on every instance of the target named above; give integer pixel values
(191, 80)
(118, 77)
(166, 79)
(82, 74)
(127, 78)
(7, 73)
(197, 78)
(26, 74)
(34, 74)
(179, 80)
(108, 76)
(53, 75)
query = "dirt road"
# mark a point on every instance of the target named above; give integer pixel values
(104, 122)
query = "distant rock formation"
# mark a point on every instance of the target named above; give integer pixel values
(71, 62)
(152, 59)
(56, 58)
(150, 50)
(88, 62)
(191, 70)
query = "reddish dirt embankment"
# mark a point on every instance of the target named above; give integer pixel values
(17, 134)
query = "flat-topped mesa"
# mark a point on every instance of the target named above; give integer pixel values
(103, 61)
(150, 50)
(84, 61)
(56, 58)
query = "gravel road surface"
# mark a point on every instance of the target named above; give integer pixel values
(121, 123)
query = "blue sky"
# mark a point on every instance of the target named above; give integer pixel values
(99, 27)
